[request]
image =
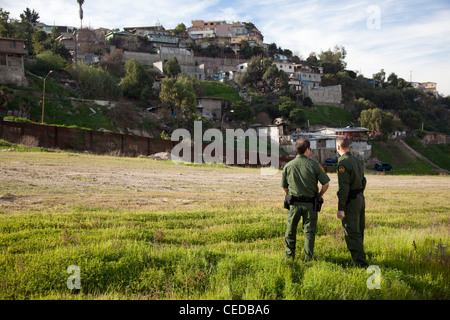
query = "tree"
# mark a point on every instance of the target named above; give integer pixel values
(256, 68)
(242, 111)
(113, 62)
(39, 42)
(272, 49)
(172, 67)
(297, 116)
(136, 79)
(376, 119)
(29, 16)
(312, 60)
(393, 80)
(246, 49)
(307, 102)
(360, 105)
(285, 106)
(178, 99)
(263, 76)
(411, 118)
(275, 79)
(380, 76)
(180, 29)
(80, 3)
(5, 28)
(333, 61)
(96, 82)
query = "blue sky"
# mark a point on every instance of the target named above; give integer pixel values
(410, 38)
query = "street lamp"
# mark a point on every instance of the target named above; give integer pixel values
(223, 117)
(43, 96)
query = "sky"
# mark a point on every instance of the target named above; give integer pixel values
(409, 38)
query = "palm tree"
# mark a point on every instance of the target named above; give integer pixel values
(80, 3)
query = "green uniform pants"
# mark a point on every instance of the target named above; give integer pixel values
(354, 224)
(297, 211)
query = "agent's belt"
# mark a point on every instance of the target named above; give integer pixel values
(302, 199)
(353, 193)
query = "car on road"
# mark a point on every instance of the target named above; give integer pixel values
(382, 166)
(331, 162)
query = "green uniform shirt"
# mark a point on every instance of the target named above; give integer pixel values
(300, 177)
(350, 177)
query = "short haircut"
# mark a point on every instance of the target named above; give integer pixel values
(343, 142)
(302, 145)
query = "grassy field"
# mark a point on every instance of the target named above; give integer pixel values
(142, 229)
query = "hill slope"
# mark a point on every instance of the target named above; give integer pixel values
(403, 159)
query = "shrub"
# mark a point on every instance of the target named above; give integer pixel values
(96, 82)
(47, 61)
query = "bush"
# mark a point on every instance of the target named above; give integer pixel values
(47, 61)
(96, 82)
(136, 79)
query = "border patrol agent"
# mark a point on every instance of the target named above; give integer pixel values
(351, 201)
(299, 179)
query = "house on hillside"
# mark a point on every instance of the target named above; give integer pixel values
(355, 133)
(62, 30)
(12, 52)
(309, 76)
(435, 138)
(426, 87)
(210, 108)
(232, 32)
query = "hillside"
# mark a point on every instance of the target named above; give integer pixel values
(405, 161)
(67, 107)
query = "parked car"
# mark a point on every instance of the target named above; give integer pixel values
(382, 166)
(331, 162)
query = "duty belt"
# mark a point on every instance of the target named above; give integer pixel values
(353, 193)
(302, 199)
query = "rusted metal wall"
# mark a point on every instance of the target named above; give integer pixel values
(102, 142)
(81, 140)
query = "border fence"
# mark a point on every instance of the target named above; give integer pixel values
(98, 142)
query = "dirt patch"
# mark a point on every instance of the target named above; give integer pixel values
(44, 179)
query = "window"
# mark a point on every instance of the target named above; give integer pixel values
(12, 44)
(2, 59)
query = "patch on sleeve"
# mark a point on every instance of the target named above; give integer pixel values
(341, 169)
(321, 168)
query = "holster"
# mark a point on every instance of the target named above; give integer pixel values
(287, 201)
(318, 204)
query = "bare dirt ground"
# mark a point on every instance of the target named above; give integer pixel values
(32, 180)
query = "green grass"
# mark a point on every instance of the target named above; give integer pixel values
(438, 153)
(214, 89)
(228, 246)
(328, 115)
(401, 163)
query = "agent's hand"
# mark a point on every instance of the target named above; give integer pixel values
(340, 214)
